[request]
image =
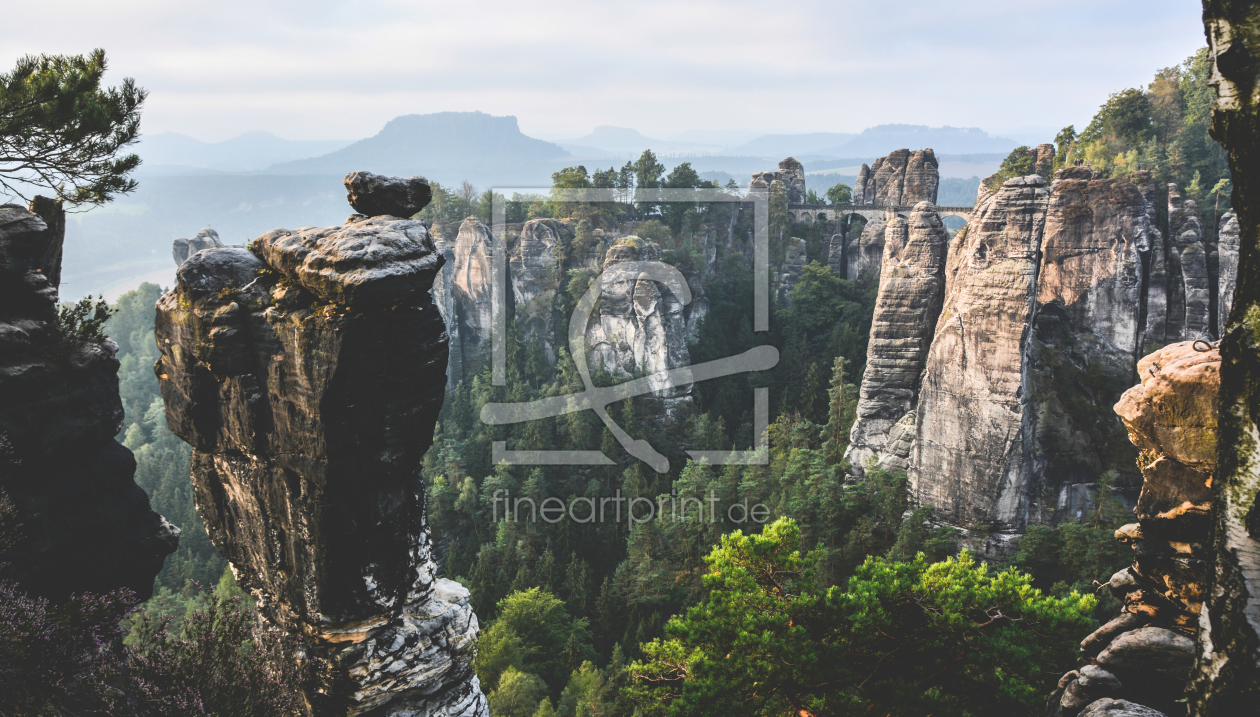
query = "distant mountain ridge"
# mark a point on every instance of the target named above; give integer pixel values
(247, 152)
(446, 146)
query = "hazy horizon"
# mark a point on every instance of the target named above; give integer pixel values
(327, 70)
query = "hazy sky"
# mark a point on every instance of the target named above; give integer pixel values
(320, 69)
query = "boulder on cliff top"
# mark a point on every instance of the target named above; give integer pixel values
(1173, 411)
(1108, 707)
(374, 195)
(375, 261)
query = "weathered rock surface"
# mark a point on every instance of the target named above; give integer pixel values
(903, 178)
(790, 272)
(307, 374)
(474, 282)
(1043, 285)
(1119, 708)
(536, 278)
(1227, 676)
(791, 173)
(1149, 649)
(205, 239)
(639, 327)
(1227, 246)
(970, 455)
(444, 298)
(373, 195)
(865, 252)
(911, 290)
(85, 524)
(1189, 302)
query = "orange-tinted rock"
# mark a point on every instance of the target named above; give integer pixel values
(1173, 411)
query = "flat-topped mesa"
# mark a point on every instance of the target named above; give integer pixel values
(911, 289)
(1039, 333)
(85, 524)
(307, 374)
(902, 178)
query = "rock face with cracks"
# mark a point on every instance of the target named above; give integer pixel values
(307, 374)
(1148, 651)
(85, 524)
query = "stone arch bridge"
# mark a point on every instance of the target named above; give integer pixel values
(831, 212)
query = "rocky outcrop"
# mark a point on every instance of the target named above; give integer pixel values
(1190, 300)
(85, 524)
(865, 252)
(1155, 330)
(307, 374)
(1040, 330)
(791, 173)
(1227, 673)
(795, 257)
(1144, 656)
(639, 327)
(373, 195)
(911, 290)
(474, 283)
(903, 178)
(205, 239)
(1227, 246)
(444, 298)
(536, 277)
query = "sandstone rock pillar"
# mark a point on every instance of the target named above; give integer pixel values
(307, 373)
(911, 289)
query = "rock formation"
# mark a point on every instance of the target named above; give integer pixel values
(1227, 674)
(373, 195)
(85, 524)
(1156, 326)
(536, 279)
(903, 178)
(205, 239)
(1144, 656)
(1190, 296)
(307, 374)
(911, 289)
(639, 327)
(1042, 288)
(1227, 246)
(791, 173)
(444, 298)
(474, 282)
(790, 272)
(865, 252)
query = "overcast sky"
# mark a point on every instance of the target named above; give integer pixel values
(321, 69)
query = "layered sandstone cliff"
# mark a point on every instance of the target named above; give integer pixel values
(1040, 330)
(307, 373)
(1144, 656)
(85, 524)
(911, 290)
(902, 178)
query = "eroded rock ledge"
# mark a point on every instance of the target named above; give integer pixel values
(307, 373)
(85, 524)
(1141, 660)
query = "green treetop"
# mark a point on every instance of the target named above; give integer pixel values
(60, 131)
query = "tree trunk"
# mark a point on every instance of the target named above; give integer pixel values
(1227, 678)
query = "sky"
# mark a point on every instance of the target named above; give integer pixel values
(319, 69)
